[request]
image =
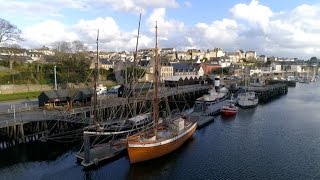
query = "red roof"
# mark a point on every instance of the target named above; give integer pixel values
(208, 68)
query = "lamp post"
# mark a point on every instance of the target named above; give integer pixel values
(55, 78)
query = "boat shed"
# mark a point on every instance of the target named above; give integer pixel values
(85, 94)
(52, 98)
(173, 81)
(64, 97)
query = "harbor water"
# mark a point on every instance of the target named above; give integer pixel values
(277, 140)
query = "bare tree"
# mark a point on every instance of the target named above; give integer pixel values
(78, 46)
(14, 51)
(62, 46)
(9, 32)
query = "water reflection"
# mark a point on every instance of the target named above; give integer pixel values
(227, 119)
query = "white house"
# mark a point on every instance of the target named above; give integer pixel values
(296, 68)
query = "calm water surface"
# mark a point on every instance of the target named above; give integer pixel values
(278, 140)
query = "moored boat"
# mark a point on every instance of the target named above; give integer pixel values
(163, 137)
(153, 143)
(230, 109)
(247, 100)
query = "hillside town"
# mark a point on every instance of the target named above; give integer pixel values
(176, 64)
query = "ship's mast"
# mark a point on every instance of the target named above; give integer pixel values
(136, 52)
(133, 68)
(96, 84)
(156, 91)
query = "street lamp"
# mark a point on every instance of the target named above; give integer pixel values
(55, 78)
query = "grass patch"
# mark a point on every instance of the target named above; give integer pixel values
(17, 96)
(109, 84)
(2, 74)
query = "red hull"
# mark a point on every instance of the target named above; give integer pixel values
(229, 111)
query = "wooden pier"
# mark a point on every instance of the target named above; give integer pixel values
(39, 124)
(269, 92)
(289, 83)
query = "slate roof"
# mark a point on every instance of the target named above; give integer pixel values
(181, 67)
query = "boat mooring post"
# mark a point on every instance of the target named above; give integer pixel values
(86, 146)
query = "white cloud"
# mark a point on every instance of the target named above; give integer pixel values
(166, 27)
(111, 38)
(47, 32)
(254, 13)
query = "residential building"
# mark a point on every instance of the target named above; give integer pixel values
(106, 64)
(262, 58)
(251, 54)
(276, 67)
(35, 56)
(200, 71)
(182, 69)
(193, 54)
(233, 56)
(165, 71)
(44, 50)
(181, 55)
(218, 52)
(241, 54)
(296, 68)
(167, 50)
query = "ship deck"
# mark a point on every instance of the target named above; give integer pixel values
(162, 134)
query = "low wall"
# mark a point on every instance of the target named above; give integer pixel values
(23, 88)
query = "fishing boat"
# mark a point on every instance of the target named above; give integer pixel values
(165, 136)
(209, 105)
(247, 99)
(230, 109)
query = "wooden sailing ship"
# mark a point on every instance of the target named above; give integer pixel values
(111, 136)
(164, 137)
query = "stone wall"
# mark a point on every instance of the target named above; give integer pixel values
(11, 89)
(24, 88)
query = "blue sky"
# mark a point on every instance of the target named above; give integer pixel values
(271, 27)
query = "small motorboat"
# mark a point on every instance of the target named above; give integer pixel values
(230, 109)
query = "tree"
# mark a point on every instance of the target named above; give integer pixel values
(9, 32)
(78, 46)
(313, 59)
(13, 51)
(62, 46)
(139, 73)
(225, 71)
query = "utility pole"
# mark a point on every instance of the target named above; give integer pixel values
(55, 78)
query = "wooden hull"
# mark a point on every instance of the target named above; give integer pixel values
(143, 152)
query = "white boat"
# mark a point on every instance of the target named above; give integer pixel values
(247, 100)
(208, 105)
(214, 95)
